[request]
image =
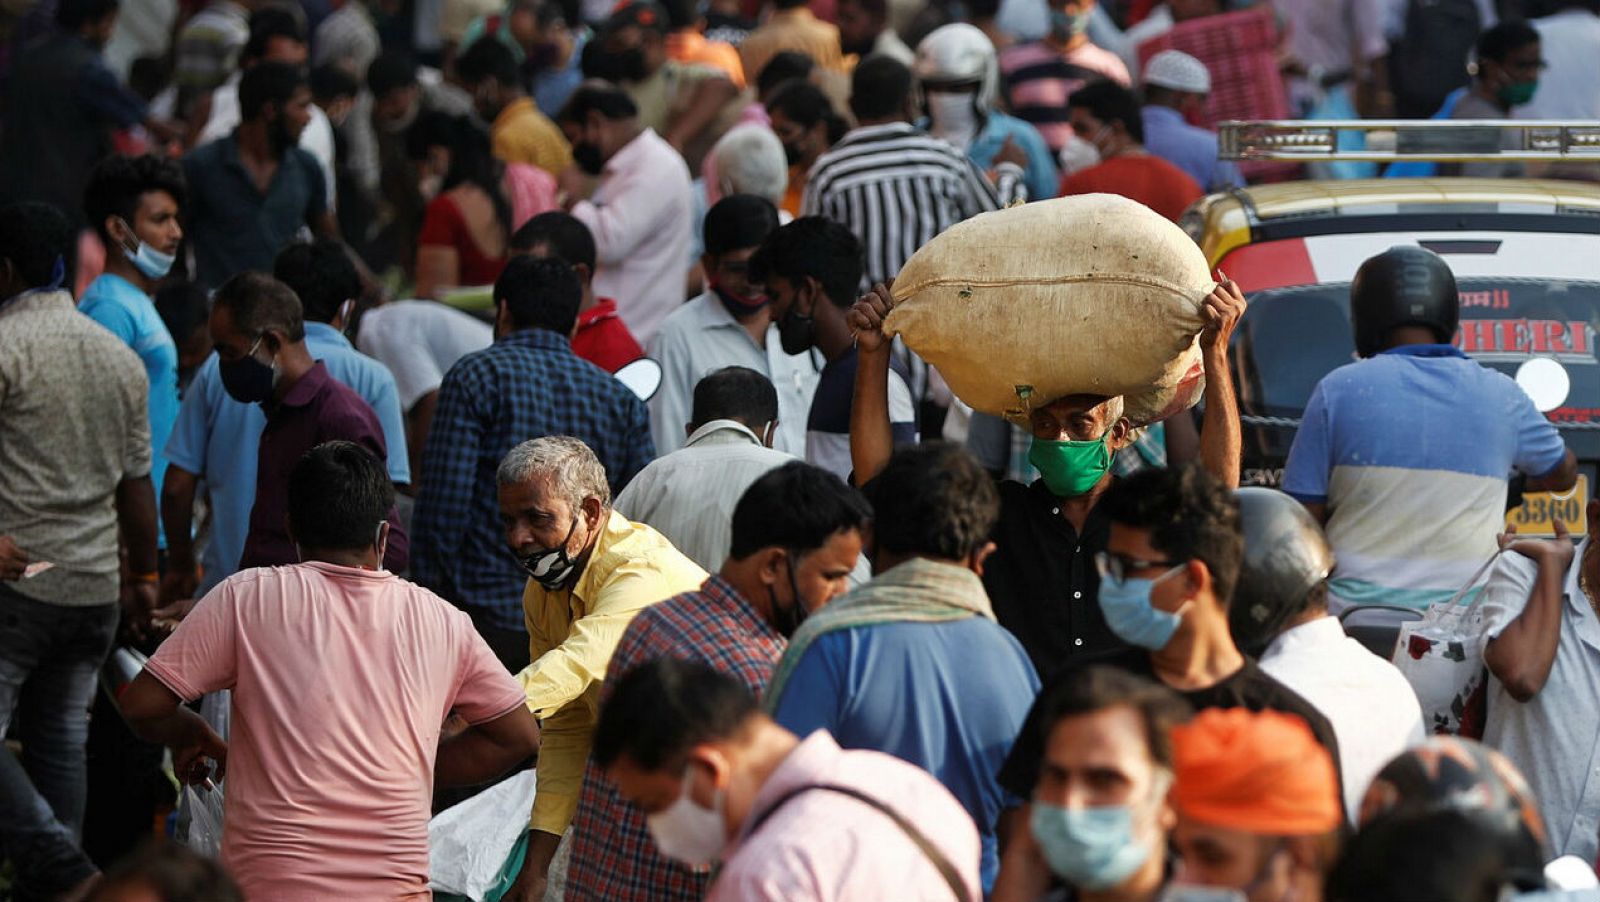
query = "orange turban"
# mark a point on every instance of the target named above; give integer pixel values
(1260, 772)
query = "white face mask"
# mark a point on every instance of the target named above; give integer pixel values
(687, 832)
(1078, 155)
(953, 117)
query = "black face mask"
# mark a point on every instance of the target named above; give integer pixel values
(615, 66)
(787, 620)
(792, 154)
(796, 331)
(278, 136)
(588, 158)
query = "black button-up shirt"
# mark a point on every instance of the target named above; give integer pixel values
(1042, 579)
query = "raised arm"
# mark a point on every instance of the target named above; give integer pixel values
(871, 435)
(1220, 439)
(1522, 655)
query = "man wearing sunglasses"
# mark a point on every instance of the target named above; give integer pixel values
(1166, 575)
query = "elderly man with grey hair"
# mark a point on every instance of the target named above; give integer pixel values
(590, 571)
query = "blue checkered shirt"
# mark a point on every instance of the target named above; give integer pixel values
(526, 385)
(613, 857)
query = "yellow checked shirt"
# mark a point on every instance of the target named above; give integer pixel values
(572, 634)
(522, 134)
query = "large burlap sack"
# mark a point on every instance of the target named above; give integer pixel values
(1091, 294)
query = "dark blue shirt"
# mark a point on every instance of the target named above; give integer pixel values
(236, 227)
(524, 386)
(948, 697)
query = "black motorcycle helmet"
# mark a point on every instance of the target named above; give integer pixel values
(1285, 557)
(1403, 286)
(1447, 773)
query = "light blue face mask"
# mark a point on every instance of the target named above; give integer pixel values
(1090, 848)
(1130, 615)
(146, 259)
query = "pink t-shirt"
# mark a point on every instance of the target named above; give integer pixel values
(341, 680)
(825, 847)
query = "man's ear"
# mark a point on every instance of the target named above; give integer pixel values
(594, 512)
(1121, 433)
(1198, 575)
(975, 563)
(585, 274)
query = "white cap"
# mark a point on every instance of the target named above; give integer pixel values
(1177, 71)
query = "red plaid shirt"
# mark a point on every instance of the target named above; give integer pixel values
(613, 857)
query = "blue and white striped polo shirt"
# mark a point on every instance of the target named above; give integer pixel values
(1411, 451)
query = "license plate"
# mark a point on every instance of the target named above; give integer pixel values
(1537, 513)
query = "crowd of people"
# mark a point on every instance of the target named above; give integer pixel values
(312, 315)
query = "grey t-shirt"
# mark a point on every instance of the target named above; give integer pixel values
(73, 424)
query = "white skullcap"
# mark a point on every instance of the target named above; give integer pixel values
(1178, 71)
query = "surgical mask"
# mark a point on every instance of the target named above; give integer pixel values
(1065, 25)
(1130, 615)
(146, 259)
(740, 305)
(687, 832)
(551, 567)
(1071, 468)
(588, 158)
(953, 117)
(796, 330)
(248, 380)
(1518, 93)
(1090, 848)
(787, 620)
(1078, 155)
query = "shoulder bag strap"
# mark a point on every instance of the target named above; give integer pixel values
(948, 871)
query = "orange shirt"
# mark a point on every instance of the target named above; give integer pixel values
(692, 47)
(1147, 179)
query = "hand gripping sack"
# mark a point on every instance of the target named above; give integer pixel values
(1441, 657)
(1091, 294)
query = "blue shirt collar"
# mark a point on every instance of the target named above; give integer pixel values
(1427, 351)
(1164, 113)
(322, 333)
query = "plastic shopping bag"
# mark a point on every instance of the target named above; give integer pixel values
(1440, 656)
(204, 810)
(471, 846)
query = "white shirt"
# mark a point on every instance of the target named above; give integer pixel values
(1570, 87)
(419, 341)
(316, 139)
(689, 495)
(702, 336)
(640, 219)
(1554, 737)
(1373, 710)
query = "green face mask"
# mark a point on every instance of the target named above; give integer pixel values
(1518, 93)
(1071, 468)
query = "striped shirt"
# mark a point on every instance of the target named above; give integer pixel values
(1039, 79)
(896, 187)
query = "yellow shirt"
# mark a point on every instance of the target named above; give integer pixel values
(571, 635)
(522, 134)
(792, 29)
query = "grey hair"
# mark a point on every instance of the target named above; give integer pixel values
(570, 465)
(749, 160)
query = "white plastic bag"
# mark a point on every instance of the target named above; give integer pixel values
(468, 844)
(204, 810)
(1441, 657)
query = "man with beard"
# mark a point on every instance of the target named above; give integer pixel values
(254, 189)
(639, 211)
(810, 268)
